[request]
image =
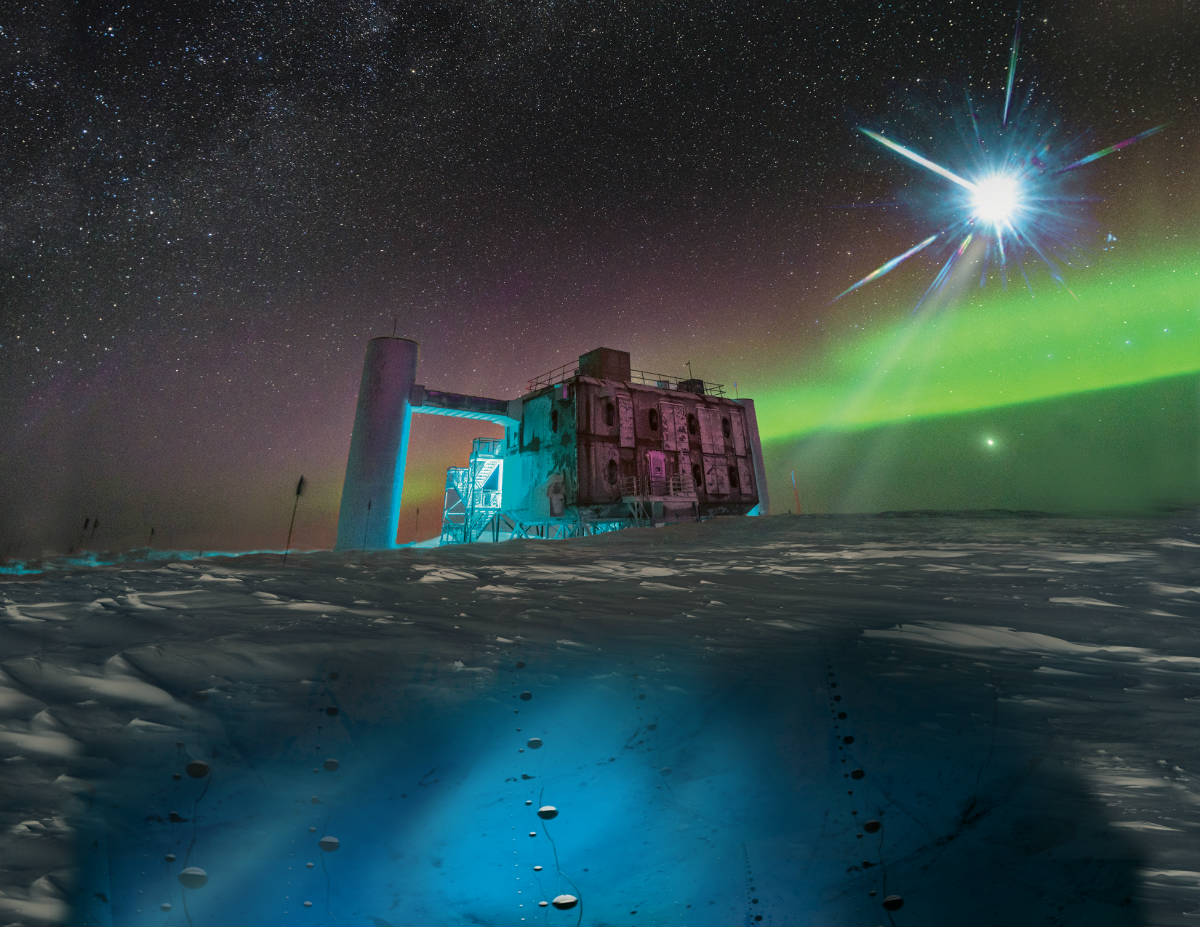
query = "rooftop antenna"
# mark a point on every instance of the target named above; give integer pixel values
(395, 322)
(689, 367)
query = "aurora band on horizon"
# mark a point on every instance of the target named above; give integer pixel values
(1136, 320)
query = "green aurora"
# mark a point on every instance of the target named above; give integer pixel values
(1138, 323)
(1053, 402)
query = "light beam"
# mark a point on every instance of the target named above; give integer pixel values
(888, 266)
(1097, 155)
(918, 159)
(1012, 70)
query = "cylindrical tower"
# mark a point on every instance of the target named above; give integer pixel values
(370, 511)
(760, 468)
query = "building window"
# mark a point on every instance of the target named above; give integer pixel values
(554, 419)
(610, 414)
(697, 475)
(610, 473)
(726, 428)
(654, 419)
(693, 424)
(733, 478)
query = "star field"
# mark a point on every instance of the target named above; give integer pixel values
(207, 209)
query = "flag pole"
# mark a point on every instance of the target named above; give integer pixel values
(295, 505)
(366, 524)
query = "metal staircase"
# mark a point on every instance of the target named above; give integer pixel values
(473, 497)
(635, 493)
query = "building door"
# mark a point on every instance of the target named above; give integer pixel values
(656, 470)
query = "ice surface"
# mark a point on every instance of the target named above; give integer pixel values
(750, 721)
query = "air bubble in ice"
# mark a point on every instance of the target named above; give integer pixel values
(893, 903)
(564, 902)
(871, 827)
(329, 844)
(331, 764)
(197, 769)
(193, 877)
(547, 812)
(533, 743)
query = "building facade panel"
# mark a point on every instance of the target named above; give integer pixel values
(745, 474)
(625, 414)
(738, 418)
(716, 475)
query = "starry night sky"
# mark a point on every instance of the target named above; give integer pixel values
(206, 209)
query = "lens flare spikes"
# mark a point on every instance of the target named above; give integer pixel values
(945, 271)
(918, 159)
(975, 123)
(1012, 191)
(1025, 276)
(1054, 271)
(1012, 70)
(1097, 155)
(889, 265)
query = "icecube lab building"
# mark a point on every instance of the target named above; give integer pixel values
(590, 447)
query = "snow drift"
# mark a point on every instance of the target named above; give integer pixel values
(789, 720)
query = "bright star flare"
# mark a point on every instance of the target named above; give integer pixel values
(996, 199)
(1013, 200)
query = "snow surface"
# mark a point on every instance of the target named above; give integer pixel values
(1019, 742)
